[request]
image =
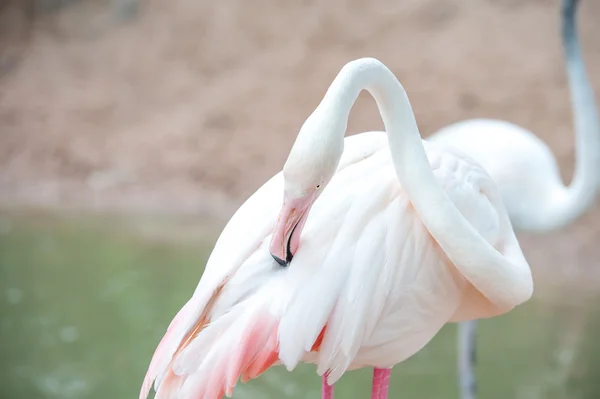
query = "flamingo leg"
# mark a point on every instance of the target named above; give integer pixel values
(381, 383)
(467, 353)
(326, 389)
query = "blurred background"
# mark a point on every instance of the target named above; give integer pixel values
(131, 130)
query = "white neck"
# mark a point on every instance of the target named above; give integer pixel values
(504, 280)
(582, 191)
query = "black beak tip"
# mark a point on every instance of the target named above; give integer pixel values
(280, 261)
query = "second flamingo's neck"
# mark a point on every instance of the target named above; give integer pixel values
(582, 191)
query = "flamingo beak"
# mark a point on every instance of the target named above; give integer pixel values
(286, 236)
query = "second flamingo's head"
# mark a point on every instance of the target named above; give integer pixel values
(310, 166)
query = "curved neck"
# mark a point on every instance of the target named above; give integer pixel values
(505, 281)
(582, 191)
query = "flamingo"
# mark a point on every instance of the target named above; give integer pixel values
(355, 255)
(526, 173)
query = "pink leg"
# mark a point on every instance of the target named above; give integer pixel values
(326, 389)
(381, 383)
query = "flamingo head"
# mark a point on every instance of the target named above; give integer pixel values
(311, 164)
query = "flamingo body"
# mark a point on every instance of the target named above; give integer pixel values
(369, 286)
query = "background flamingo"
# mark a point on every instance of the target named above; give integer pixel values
(366, 271)
(526, 172)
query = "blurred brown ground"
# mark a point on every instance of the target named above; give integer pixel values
(193, 104)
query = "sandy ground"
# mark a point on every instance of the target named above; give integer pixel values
(193, 104)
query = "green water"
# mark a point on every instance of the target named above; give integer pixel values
(85, 300)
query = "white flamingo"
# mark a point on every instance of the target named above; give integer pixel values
(527, 174)
(375, 249)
